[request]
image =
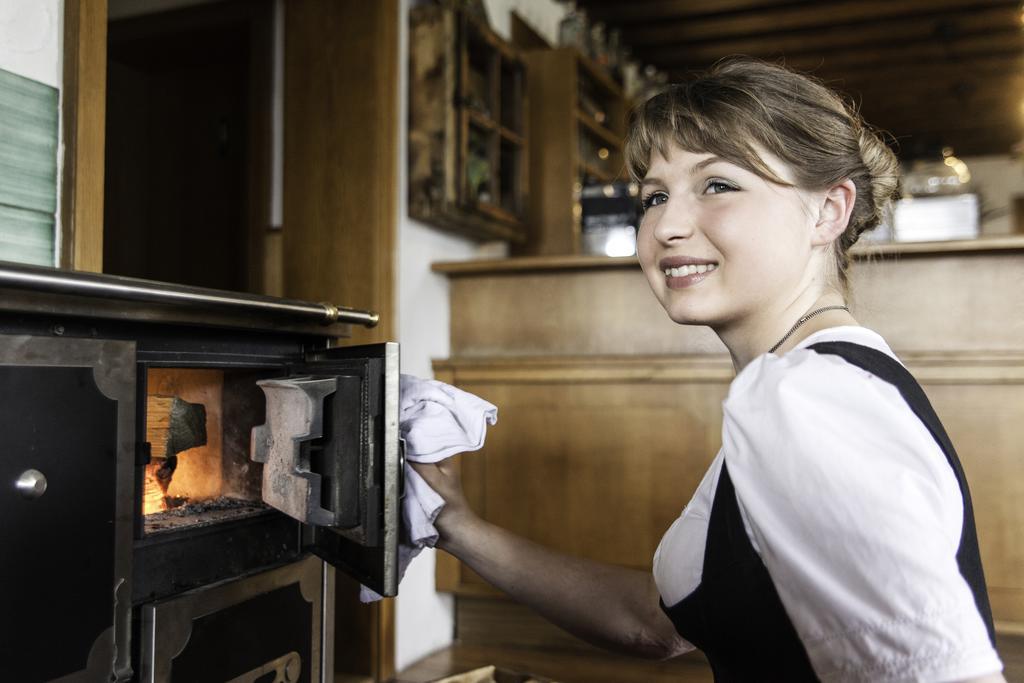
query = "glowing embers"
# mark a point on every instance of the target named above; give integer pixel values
(153, 492)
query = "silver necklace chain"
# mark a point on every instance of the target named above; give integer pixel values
(804, 319)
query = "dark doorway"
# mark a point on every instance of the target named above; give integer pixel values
(187, 145)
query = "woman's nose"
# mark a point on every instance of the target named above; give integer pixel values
(673, 221)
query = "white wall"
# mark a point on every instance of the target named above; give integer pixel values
(424, 618)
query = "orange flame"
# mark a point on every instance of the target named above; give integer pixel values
(153, 493)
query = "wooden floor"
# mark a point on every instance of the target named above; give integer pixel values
(567, 666)
(564, 666)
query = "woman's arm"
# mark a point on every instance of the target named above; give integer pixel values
(608, 606)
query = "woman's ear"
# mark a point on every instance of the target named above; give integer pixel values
(834, 214)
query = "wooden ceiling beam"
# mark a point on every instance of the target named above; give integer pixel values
(954, 118)
(619, 13)
(930, 71)
(949, 28)
(966, 142)
(903, 92)
(987, 68)
(850, 14)
(1009, 46)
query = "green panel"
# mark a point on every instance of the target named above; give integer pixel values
(29, 113)
(26, 236)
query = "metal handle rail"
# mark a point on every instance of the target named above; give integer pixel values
(38, 278)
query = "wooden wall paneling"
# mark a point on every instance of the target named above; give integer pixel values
(447, 570)
(490, 621)
(917, 304)
(340, 209)
(83, 122)
(341, 156)
(596, 456)
(597, 312)
(575, 462)
(984, 421)
(501, 623)
(272, 249)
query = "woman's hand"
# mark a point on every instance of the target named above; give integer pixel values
(444, 478)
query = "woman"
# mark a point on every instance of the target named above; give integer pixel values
(832, 536)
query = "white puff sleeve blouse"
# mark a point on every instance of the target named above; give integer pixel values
(854, 511)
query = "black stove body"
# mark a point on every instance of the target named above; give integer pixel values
(234, 583)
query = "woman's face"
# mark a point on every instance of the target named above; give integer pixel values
(719, 243)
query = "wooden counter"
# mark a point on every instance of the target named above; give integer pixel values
(609, 412)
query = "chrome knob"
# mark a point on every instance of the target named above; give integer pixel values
(31, 484)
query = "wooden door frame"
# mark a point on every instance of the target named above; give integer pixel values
(83, 125)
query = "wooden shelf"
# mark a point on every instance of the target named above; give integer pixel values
(597, 172)
(482, 120)
(599, 75)
(458, 123)
(511, 136)
(598, 129)
(496, 212)
(985, 245)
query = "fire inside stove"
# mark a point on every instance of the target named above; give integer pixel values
(197, 424)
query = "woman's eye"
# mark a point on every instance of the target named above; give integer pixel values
(718, 186)
(653, 199)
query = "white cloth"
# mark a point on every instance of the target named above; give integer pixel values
(437, 421)
(854, 511)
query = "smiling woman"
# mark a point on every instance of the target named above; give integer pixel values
(833, 536)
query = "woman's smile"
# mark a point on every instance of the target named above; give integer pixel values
(685, 271)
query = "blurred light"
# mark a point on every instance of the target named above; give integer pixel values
(602, 153)
(608, 191)
(958, 166)
(620, 244)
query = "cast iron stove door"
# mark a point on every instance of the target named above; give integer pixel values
(67, 412)
(331, 458)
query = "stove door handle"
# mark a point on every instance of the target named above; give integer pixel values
(401, 468)
(31, 483)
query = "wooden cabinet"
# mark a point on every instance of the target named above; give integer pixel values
(467, 126)
(609, 416)
(578, 124)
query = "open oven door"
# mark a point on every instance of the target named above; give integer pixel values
(333, 460)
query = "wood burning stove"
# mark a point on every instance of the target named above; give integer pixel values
(177, 464)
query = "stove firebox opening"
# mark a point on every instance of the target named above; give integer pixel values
(198, 422)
